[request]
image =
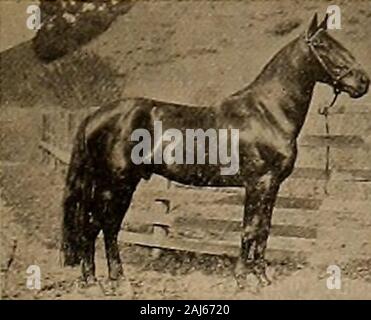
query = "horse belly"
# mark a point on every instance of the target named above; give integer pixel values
(201, 175)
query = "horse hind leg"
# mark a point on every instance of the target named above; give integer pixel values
(80, 228)
(117, 201)
(91, 227)
(116, 208)
(88, 250)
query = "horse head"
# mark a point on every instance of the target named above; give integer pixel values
(338, 66)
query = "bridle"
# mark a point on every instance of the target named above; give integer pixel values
(335, 78)
(324, 111)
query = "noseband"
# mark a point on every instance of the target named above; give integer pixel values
(335, 78)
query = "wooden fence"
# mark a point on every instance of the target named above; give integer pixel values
(167, 215)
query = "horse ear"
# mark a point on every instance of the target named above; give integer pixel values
(323, 24)
(313, 26)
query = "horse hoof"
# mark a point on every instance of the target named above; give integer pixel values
(264, 281)
(94, 291)
(121, 289)
(247, 281)
(265, 276)
(239, 282)
(83, 283)
(87, 290)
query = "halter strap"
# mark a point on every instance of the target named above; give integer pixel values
(325, 112)
(334, 77)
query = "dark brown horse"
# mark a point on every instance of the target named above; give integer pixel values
(269, 114)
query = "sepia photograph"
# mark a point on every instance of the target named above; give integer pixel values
(185, 150)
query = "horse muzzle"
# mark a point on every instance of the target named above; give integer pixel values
(359, 84)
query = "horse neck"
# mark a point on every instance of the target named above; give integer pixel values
(285, 86)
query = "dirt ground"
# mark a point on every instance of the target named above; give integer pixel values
(30, 217)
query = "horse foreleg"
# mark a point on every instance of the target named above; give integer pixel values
(259, 203)
(258, 254)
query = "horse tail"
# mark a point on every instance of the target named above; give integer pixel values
(78, 190)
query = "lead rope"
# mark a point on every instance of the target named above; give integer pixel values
(325, 112)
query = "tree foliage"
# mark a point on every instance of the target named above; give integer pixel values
(69, 24)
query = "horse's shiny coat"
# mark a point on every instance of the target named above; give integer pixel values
(269, 114)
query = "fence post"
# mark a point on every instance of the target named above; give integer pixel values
(160, 224)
